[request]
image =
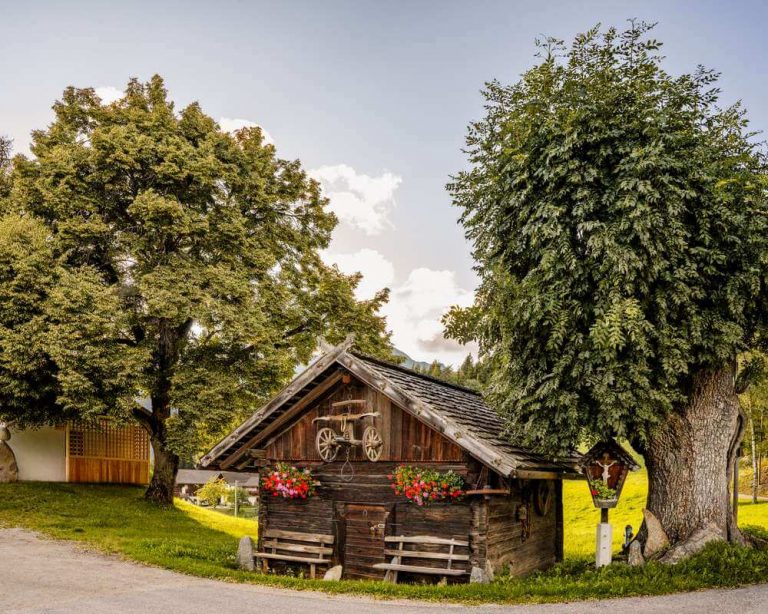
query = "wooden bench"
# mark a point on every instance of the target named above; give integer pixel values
(310, 548)
(395, 547)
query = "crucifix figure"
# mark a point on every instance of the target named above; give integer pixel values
(606, 466)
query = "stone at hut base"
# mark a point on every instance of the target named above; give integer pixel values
(692, 545)
(489, 571)
(635, 555)
(656, 540)
(9, 472)
(334, 573)
(245, 554)
(478, 576)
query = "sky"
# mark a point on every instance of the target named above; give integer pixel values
(373, 97)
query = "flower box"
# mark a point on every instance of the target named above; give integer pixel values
(425, 486)
(289, 482)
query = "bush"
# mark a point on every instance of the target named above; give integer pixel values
(213, 491)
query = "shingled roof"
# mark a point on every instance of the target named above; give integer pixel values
(458, 413)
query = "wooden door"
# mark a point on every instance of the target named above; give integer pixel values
(364, 530)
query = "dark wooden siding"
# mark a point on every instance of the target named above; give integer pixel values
(327, 512)
(505, 543)
(405, 438)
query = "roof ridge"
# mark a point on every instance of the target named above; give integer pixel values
(430, 378)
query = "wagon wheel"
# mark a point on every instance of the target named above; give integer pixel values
(372, 443)
(326, 445)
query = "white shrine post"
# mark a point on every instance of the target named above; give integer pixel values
(603, 554)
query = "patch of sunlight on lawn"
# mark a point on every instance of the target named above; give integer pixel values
(236, 527)
(581, 517)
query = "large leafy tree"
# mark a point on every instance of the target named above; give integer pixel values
(184, 268)
(618, 220)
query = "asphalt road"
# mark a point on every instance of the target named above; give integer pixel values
(43, 576)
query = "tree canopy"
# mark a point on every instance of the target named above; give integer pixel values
(617, 216)
(165, 259)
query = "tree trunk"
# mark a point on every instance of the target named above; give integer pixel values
(690, 459)
(165, 358)
(160, 489)
(755, 470)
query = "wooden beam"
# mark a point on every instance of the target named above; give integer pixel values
(304, 378)
(530, 474)
(428, 415)
(308, 398)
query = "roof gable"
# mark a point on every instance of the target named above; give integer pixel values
(457, 413)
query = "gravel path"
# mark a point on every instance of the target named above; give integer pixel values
(44, 576)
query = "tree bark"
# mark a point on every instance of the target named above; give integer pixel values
(755, 472)
(165, 358)
(690, 459)
(160, 489)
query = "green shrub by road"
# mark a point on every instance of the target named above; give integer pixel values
(201, 542)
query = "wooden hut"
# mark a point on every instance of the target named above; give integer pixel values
(510, 513)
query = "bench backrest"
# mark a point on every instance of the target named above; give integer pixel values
(314, 545)
(426, 547)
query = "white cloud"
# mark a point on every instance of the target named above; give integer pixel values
(415, 307)
(378, 272)
(359, 200)
(415, 310)
(231, 124)
(109, 94)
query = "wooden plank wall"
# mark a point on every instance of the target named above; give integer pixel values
(109, 470)
(405, 438)
(325, 513)
(505, 544)
(101, 451)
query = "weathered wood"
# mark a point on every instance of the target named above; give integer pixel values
(427, 539)
(288, 557)
(488, 491)
(437, 571)
(306, 400)
(349, 402)
(423, 412)
(529, 474)
(315, 369)
(299, 536)
(297, 441)
(416, 554)
(296, 547)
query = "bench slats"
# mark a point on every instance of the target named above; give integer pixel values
(287, 557)
(426, 539)
(299, 537)
(273, 543)
(415, 554)
(416, 569)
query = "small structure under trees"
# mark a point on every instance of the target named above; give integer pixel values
(394, 474)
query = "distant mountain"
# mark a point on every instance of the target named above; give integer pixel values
(409, 362)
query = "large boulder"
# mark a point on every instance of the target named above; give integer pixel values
(245, 554)
(656, 540)
(9, 471)
(696, 542)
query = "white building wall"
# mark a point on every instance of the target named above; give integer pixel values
(40, 454)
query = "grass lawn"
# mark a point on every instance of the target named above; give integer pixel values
(201, 542)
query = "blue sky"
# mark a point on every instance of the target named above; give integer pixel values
(373, 97)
